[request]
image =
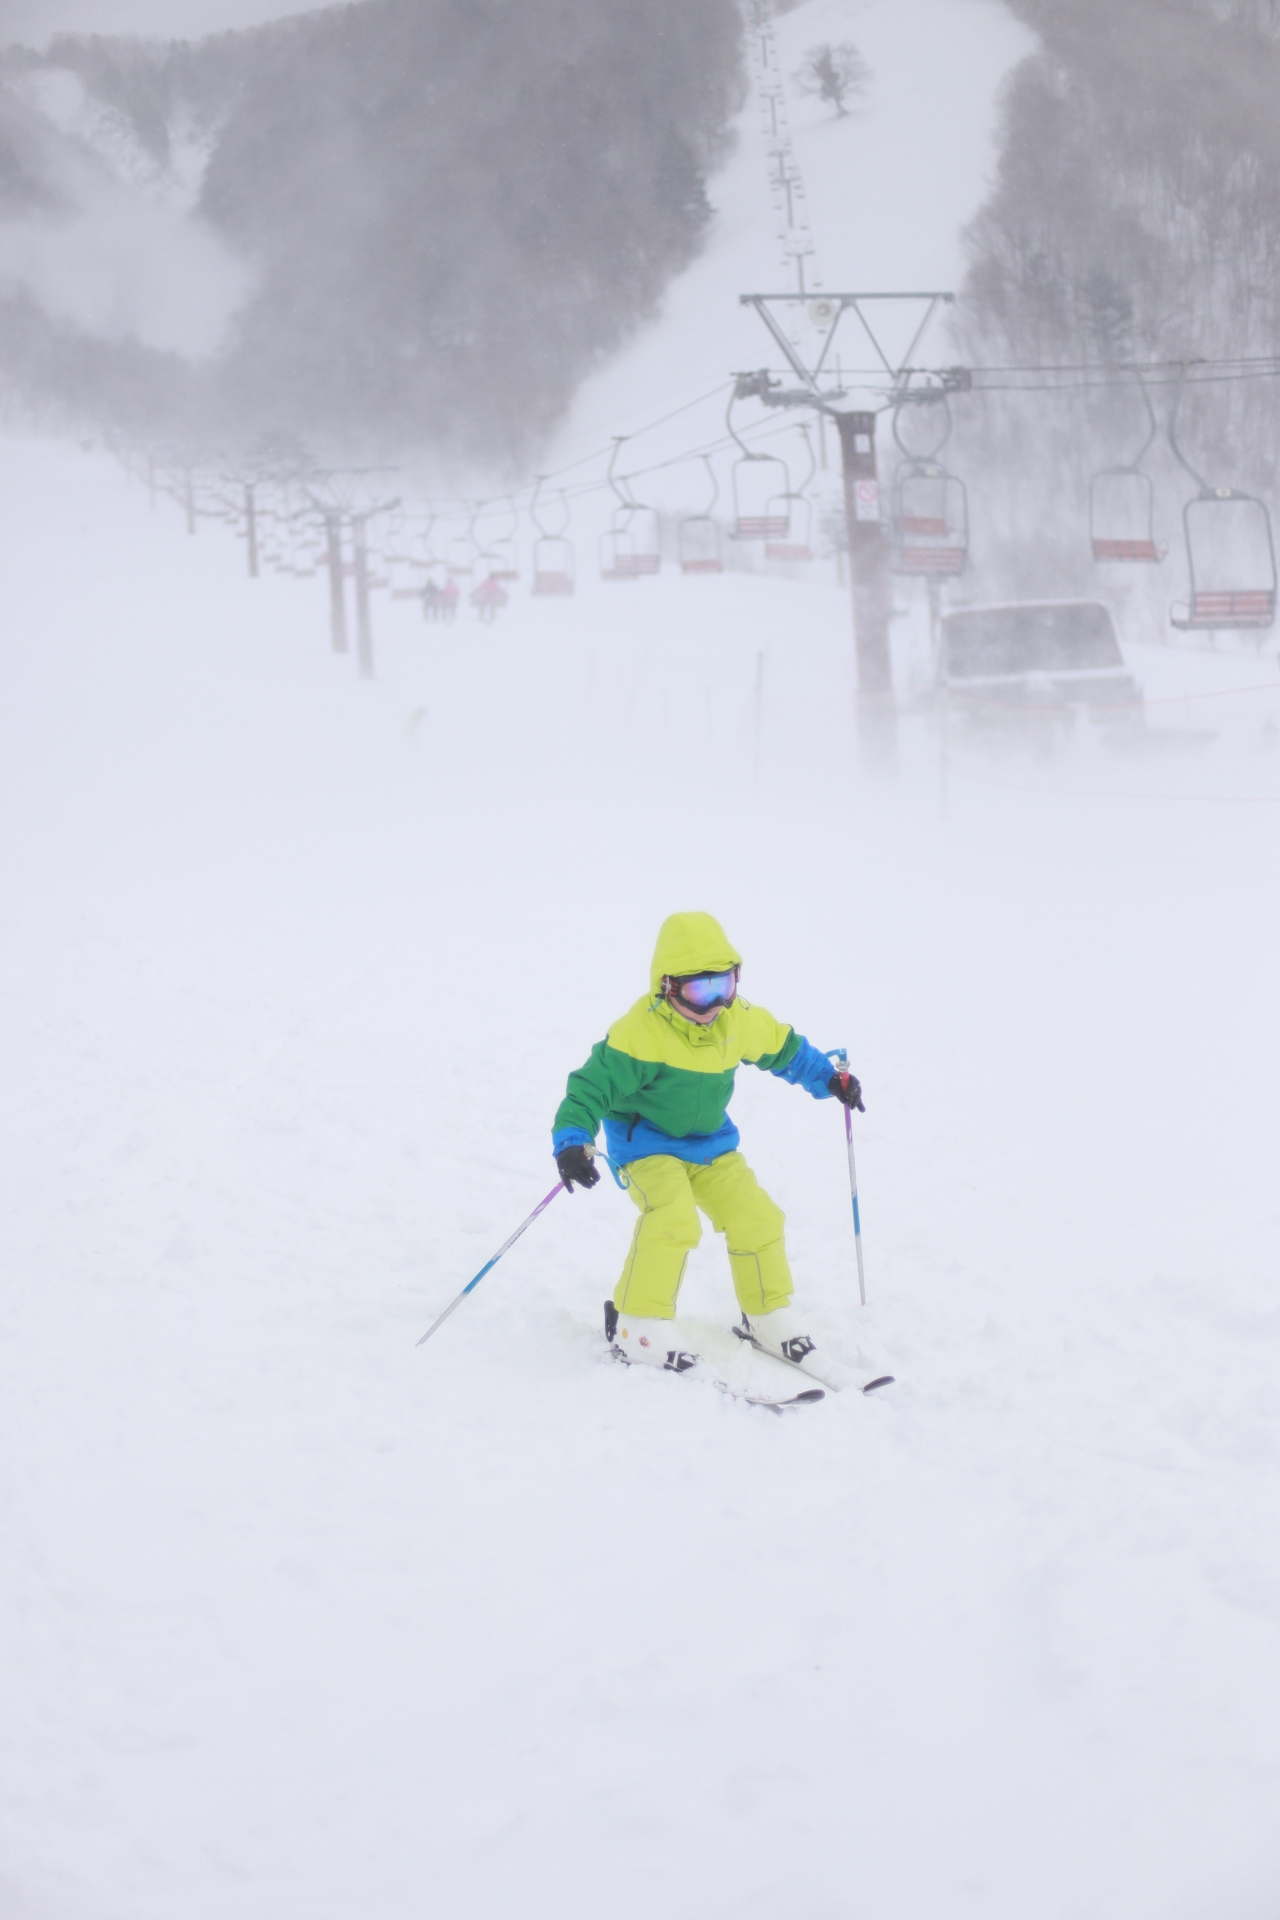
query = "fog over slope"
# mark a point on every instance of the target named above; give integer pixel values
(405, 223)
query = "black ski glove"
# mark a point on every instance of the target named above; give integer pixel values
(846, 1090)
(575, 1163)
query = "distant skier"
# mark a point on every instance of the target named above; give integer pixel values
(661, 1081)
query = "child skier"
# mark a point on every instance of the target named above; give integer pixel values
(661, 1081)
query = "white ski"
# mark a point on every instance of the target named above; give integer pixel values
(701, 1372)
(868, 1386)
(696, 1367)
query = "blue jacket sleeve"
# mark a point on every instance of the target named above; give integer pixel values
(809, 1069)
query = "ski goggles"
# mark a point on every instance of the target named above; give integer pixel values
(702, 991)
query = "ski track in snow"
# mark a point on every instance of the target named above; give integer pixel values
(300, 1622)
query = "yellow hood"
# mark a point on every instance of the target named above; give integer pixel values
(691, 943)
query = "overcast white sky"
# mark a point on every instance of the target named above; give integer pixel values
(34, 22)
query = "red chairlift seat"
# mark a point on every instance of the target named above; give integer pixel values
(699, 545)
(632, 547)
(1231, 561)
(645, 556)
(1128, 550)
(761, 507)
(1227, 610)
(553, 569)
(1122, 504)
(933, 562)
(929, 521)
(799, 543)
(1122, 517)
(489, 597)
(616, 555)
(507, 560)
(698, 536)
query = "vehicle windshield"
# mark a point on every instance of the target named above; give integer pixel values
(1031, 639)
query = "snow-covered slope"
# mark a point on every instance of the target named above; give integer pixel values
(302, 1623)
(889, 189)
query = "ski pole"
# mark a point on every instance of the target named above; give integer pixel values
(490, 1264)
(843, 1059)
(853, 1191)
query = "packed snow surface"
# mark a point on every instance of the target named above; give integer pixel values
(303, 1621)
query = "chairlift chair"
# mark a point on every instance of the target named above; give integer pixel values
(646, 540)
(1231, 561)
(459, 556)
(399, 566)
(1122, 516)
(553, 557)
(761, 497)
(617, 553)
(440, 599)
(553, 571)
(1231, 555)
(797, 543)
(698, 545)
(506, 558)
(928, 521)
(489, 597)
(1122, 505)
(505, 549)
(633, 545)
(761, 486)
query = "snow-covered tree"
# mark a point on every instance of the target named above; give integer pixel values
(835, 72)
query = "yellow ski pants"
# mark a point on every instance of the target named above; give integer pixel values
(669, 1194)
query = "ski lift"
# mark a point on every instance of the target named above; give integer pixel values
(440, 602)
(928, 521)
(414, 563)
(928, 506)
(1231, 556)
(633, 545)
(487, 562)
(798, 543)
(439, 591)
(489, 597)
(505, 552)
(460, 553)
(553, 561)
(617, 549)
(761, 490)
(698, 538)
(1122, 505)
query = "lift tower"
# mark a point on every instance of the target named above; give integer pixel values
(805, 330)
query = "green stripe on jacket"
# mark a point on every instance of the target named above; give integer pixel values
(656, 1066)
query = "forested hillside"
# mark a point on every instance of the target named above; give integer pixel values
(1135, 218)
(450, 210)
